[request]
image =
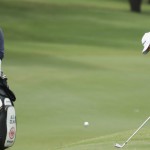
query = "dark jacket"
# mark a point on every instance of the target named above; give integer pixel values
(1, 44)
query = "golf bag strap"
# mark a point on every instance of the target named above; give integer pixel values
(8, 92)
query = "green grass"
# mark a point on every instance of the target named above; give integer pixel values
(75, 61)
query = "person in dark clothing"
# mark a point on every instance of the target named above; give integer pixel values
(1, 44)
(7, 109)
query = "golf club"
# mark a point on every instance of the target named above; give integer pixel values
(120, 146)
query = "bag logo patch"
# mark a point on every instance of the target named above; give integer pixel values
(7, 101)
(12, 133)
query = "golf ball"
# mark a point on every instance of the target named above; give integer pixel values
(86, 123)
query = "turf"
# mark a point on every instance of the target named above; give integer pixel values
(75, 61)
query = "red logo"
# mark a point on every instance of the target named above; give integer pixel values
(12, 133)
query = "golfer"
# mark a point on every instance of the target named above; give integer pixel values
(146, 43)
(1, 44)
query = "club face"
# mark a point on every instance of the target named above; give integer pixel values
(118, 145)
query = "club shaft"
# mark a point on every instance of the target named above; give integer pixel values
(137, 130)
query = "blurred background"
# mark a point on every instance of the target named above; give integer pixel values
(71, 61)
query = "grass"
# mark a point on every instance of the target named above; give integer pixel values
(75, 61)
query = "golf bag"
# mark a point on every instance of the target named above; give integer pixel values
(7, 115)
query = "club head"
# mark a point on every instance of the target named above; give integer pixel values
(118, 145)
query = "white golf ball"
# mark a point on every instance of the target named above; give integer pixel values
(86, 123)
